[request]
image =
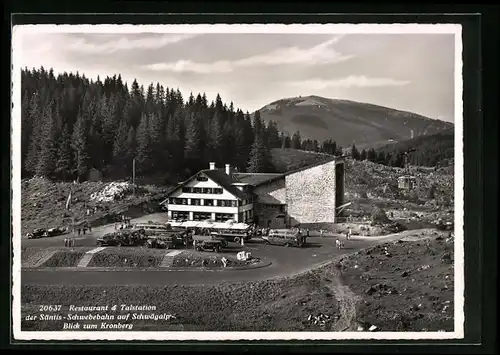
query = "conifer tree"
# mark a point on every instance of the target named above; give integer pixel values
(362, 156)
(355, 152)
(193, 147)
(64, 163)
(259, 161)
(80, 146)
(215, 142)
(143, 155)
(36, 119)
(296, 142)
(48, 145)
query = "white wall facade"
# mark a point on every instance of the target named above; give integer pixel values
(310, 194)
(190, 208)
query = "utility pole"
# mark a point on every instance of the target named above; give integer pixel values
(133, 174)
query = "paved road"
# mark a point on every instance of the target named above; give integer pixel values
(285, 262)
(89, 239)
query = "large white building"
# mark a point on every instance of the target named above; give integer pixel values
(305, 196)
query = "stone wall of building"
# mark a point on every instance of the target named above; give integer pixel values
(310, 195)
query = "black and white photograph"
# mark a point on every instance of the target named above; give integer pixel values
(237, 182)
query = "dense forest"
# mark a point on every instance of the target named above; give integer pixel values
(71, 124)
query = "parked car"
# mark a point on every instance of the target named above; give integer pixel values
(37, 233)
(444, 226)
(217, 236)
(52, 232)
(209, 244)
(123, 238)
(166, 241)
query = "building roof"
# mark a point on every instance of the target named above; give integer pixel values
(220, 177)
(255, 179)
(322, 162)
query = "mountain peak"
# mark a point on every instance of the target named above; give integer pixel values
(348, 122)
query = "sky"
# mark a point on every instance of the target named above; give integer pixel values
(412, 72)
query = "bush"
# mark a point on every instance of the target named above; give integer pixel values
(379, 216)
(67, 258)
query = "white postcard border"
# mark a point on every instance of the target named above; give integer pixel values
(459, 286)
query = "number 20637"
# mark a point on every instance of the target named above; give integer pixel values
(50, 308)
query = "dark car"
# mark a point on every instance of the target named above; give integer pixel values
(123, 238)
(52, 232)
(210, 244)
(166, 241)
(37, 233)
(216, 236)
(444, 226)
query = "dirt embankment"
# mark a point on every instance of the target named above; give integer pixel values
(406, 285)
(44, 203)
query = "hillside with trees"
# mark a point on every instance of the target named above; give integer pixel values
(434, 150)
(72, 124)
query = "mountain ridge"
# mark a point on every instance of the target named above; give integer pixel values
(348, 122)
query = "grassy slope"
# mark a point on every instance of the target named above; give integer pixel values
(267, 306)
(366, 178)
(347, 122)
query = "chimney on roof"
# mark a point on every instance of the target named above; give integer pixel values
(228, 169)
(212, 165)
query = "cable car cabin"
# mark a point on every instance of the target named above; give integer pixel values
(407, 182)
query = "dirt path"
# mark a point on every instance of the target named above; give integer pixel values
(347, 302)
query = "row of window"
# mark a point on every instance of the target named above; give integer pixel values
(203, 190)
(206, 202)
(201, 216)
